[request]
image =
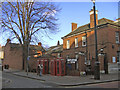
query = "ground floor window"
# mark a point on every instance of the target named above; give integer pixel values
(118, 56)
(76, 63)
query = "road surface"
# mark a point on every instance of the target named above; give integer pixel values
(13, 81)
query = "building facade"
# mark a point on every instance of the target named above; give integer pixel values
(13, 55)
(79, 46)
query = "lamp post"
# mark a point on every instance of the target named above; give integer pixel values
(97, 67)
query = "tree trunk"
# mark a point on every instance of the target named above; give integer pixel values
(25, 55)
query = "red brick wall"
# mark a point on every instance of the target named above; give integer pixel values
(105, 37)
(92, 20)
(13, 57)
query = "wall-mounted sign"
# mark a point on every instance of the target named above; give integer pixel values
(71, 60)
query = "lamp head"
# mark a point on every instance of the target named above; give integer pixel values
(93, 1)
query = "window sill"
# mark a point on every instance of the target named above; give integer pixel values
(83, 45)
(68, 49)
(76, 47)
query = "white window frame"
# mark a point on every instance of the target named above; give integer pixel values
(68, 44)
(77, 66)
(117, 37)
(83, 40)
(76, 42)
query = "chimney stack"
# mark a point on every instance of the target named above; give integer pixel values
(39, 44)
(92, 18)
(58, 43)
(74, 26)
(8, 40)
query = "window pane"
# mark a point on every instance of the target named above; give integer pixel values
(76, 42)
(117, 37)
(68, 44)
(84, 41)
(118, 56)
(57, 67)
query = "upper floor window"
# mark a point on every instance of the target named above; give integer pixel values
(83, 40)
(117, 37)
(76, 42)
(68, 44)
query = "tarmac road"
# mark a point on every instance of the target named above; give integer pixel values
(18, 81)
(22, 82)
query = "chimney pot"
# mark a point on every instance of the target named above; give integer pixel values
(8, 40)
(58, 43)
(39, 44)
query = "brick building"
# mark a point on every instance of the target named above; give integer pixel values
(13, 55)
(55, 51)
(79, 46)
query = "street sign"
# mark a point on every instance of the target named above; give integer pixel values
(72, 60)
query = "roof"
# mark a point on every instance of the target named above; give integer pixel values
(36, 47)
(55, 49)
(32, 47)
(87, 26)
(14, 45)
(46, 56)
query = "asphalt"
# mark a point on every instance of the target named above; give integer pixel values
(67, 80)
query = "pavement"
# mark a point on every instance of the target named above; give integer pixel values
(67, 80)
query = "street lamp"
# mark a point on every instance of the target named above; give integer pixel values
(97, 67)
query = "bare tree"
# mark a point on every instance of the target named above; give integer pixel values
(25, 19)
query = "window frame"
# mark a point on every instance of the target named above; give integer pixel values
(83, 41)
(76, 63)
(117, 37)
(68, 44)
(76, 42)
(118, 56)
